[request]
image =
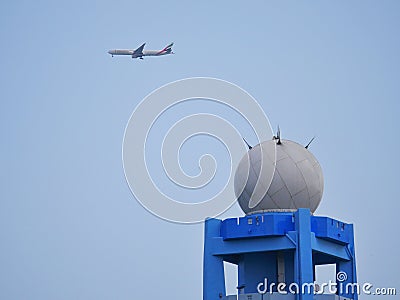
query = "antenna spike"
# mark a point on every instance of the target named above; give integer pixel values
(309, 143)
(279, 136)
(248, 145)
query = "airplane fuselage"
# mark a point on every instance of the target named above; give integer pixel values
(145, 52)
(140, 53)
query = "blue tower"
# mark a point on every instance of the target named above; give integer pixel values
(279, 242)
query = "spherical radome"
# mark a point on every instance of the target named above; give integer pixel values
(297, 181)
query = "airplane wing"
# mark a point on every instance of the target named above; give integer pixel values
(139, 51)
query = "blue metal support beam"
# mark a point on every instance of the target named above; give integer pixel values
(303, 265)
(266, 244)
(213, 272)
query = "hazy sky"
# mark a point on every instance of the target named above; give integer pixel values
(69, 225)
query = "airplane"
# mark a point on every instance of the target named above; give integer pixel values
(140, 53)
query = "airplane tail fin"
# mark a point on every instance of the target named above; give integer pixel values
(168, 48)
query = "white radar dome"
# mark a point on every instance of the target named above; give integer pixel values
(297, 181)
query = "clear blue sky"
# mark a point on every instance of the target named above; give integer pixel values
(69, 226)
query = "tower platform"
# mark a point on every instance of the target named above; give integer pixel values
(276, 254)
